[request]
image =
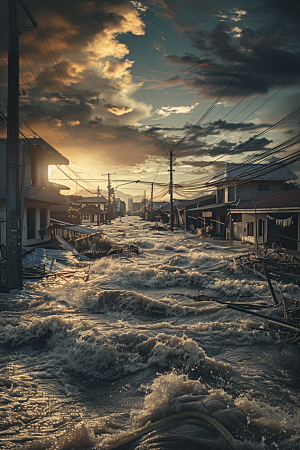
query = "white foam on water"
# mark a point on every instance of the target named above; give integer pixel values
(130, 301)
(103, 352)
(174, 393)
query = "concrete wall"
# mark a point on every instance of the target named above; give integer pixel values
(249, 190)
(255, 219)
(37, 239)
(25, 241)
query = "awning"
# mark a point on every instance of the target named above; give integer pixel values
(75, 228)
(83, 230)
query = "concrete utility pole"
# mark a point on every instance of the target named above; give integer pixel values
(13, 184)
(171, 191)
(144, 206)
(13, 194)
(109, 199)
(151, 204)
(98, 212)
(109, 191)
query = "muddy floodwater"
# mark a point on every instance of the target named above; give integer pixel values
(106, 347)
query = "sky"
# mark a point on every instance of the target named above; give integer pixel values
(116, 85)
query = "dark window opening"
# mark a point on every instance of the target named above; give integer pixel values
(220, 195)
(250, 228)
(261, 227)
(231, 196)
(31, 214)
(33, 172)
(263, 187)
(43, 218)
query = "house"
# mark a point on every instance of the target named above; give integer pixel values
(274, 219)
(93, 210)
(37, 192)
(237, 184)
(184, 212)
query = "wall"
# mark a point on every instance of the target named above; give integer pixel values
(2, 221)
(37, 239)
(251, 218)
(249, 190)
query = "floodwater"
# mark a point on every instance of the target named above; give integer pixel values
(106, 347)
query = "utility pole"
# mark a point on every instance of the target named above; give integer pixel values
(109, 200)
(13, 194)
(144, 206)
(109, 191)
(13, 184)
(98, 212)
(151, 204)
(171, 191)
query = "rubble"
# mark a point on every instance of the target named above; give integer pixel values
(280, 264)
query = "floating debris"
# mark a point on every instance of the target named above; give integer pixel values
(279, 264)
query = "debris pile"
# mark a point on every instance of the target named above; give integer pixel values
(33, 272)
(280, 264)
(283, 266)
(292, 315)
(103, 246)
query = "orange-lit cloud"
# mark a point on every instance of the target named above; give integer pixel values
(165, 111)
(117, 69)
(119, 111)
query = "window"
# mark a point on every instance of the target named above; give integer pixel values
(31, 215)
(43, 218)
(231, 193)
(250, 228)
(85, 217)
(33, 172)
(263, 186)
(220, 195)
(261, 227)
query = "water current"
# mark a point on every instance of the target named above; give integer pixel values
(106, 347)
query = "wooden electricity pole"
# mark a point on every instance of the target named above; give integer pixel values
(171, 192)
(98, 212)
(151, 204)
(109, 192)
(13, 185)
(13, 194)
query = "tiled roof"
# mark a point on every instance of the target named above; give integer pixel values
(200, 200)
(252, 172)
(53, 155)
(90, 209)
(95, 199)
(285, 199)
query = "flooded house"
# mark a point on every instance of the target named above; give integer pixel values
(273, 220)
(37, 193)
(234, 186)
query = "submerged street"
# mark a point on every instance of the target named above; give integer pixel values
(107, 346)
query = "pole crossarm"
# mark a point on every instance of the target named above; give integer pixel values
(29, 15)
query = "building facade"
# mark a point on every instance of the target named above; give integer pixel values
(37, 193)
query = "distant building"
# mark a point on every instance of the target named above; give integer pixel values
(119, 207)
(137, 207)
(235, 185)
(274, 219)
(93, 210)
(130, 204)
(37, 192)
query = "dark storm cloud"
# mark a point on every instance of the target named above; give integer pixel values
(225, 48)
(219, 126)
